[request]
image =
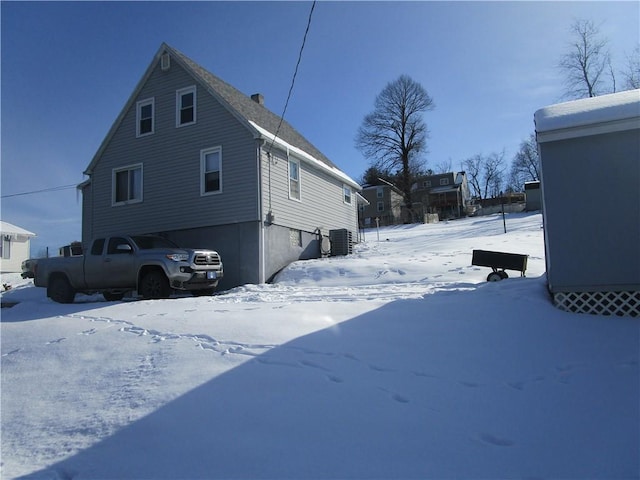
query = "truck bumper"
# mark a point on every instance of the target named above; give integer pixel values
(191, 279)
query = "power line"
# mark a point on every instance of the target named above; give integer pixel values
(295, 73)
(52, 189)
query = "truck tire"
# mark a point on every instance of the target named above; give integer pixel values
(154, 285)
(59, 290)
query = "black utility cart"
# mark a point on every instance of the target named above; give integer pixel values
(499, 262)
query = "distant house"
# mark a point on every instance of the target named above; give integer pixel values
(193, 159)
(15, 247)
(446, 194)
(384, 204)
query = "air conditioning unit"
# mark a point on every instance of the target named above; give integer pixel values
(165, 62)
(341, 242)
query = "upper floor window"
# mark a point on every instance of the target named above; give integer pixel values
(426, 184)
(444, 181)
(380, 206)
(379, 192)
(127, 184)
(186, 106)
(211, 171)
(346, 194)
(144, 117)
(294, 179)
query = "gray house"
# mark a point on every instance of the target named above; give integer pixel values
(195, 160)
(446, 194)
(384, 202)
(590, 158)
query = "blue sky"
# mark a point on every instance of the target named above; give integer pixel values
(69, 67)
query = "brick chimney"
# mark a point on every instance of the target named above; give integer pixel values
(258, 98)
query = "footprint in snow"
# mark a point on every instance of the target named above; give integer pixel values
(58, 340)
(12, 352)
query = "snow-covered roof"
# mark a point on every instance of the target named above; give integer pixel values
(7, 228)
(588, 116)
(334, 171)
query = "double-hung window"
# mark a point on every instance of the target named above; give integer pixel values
(211, 171)
(186, 106)
(127, 184)
(346, 194)
(294, 179)
(144, 117)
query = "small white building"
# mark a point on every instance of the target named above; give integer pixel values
(590, 159)
(15, 247)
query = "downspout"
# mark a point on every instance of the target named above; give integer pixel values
(261, 240)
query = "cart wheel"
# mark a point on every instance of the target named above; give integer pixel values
(503, 274)
(494, 277)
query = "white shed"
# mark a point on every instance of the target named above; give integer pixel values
(14, 247)
(590, 158)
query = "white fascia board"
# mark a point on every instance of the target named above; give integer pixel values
(305, 156)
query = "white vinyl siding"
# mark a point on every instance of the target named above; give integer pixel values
(145, 123)
(211, 171)
(186, 106)
(127, 184)
(294, 179)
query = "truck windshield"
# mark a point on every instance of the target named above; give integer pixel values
(145, 242)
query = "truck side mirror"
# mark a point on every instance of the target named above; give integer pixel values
(124, 248)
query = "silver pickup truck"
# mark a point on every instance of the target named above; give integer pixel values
(114, 266)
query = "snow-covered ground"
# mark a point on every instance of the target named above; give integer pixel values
(398, 361)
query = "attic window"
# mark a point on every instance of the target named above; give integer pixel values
(165, 62)
(144, 117)
(186, 106)
(444, 181)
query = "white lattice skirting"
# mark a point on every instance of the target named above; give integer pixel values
(599, 303)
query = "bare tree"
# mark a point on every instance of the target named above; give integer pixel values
(525, 166)
(485, 174)
(493, 174)
(394, 135)
(586, 61)
(443, 167)
(631, 73)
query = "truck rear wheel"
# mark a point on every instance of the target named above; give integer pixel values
(59, 290)
(155, 284)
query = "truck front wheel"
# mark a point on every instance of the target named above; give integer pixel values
(155, 284)
(60, 290)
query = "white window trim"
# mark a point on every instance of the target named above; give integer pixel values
(346, 188)
(203, 154)
(179, 94)
(139, 105)
(113, 184)
(380, 207)
(299, 199)
(444, 181)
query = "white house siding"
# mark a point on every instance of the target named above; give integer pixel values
(321, 204)
(321, 208)
(171, 166)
